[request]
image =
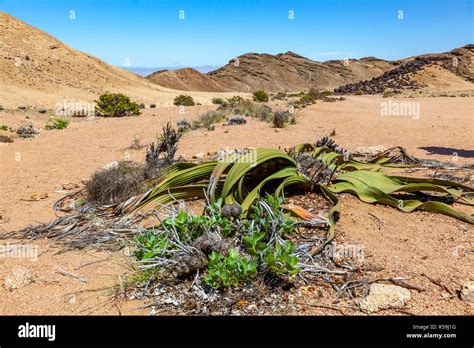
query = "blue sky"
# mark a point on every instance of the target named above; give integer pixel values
(150, 33)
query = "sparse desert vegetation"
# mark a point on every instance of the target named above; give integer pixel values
(260, 96)
(116, 105)
(270, 185)
(184, 100)
(57, 123)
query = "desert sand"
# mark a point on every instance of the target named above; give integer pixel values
(403, 245)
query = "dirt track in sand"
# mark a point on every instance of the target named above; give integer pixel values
(405, 245)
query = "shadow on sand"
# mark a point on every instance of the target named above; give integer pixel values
(448, 151)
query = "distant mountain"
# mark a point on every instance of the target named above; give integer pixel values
(186, 79)
(292, 72)
(147, 71)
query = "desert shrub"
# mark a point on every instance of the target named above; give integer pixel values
(184, 100)
(116, 183)
(116, 105)
(57, 123)
(235, 100)
(279, 96)
(388, 94)
(218, 101)
(250, 109)
(262, 112)
(162, 155)
(183, 125)
(236, 120)
(358, 93)
(209, 118)
(260, 96)
(26, 131)
(280, 118)
(4, 127)
(306, 99)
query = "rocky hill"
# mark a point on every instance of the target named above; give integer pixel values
(36, 68)
(451, 71)
(186, 79)
(292, 72)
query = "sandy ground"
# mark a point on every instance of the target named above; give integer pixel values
(404, 245)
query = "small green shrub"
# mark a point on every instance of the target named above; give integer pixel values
(235, 100)
(225, 271)
(388, 94)
(218, 101)
(211, 117)
(260, 96)
(280, 260)
(150, 244)
(184, 100)
(116, 105)
(57, 123)
(6, 128)
(307, 99)
(190, 227)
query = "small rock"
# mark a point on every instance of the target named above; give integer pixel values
(18, 278)
(382, 296)
(22, 107)
(152, 106)
(199, 155)
(1, 108)
(252, 307)
(41, 110)
(69, 186)
(71, 299)
(467, 291)
(111, 165)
